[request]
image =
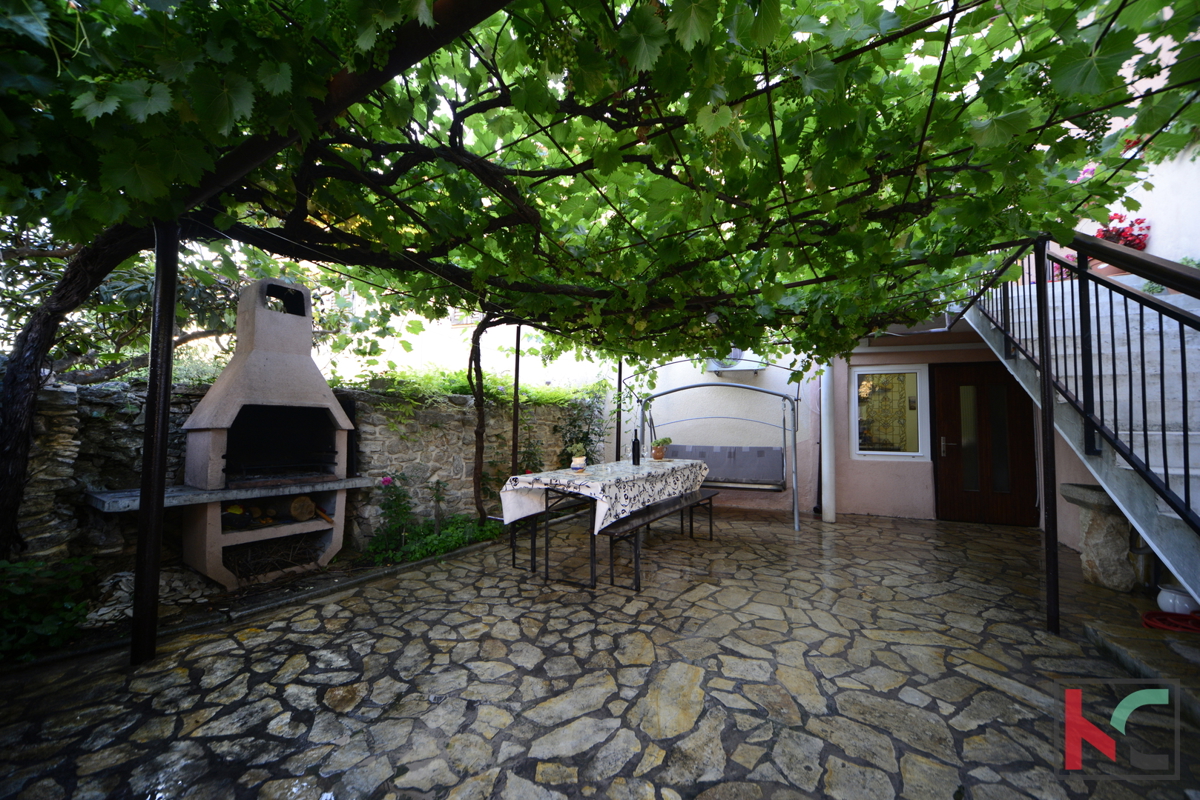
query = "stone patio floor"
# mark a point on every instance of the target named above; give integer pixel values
(872, 658)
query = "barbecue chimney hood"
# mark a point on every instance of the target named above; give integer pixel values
(272, 364)
(268, 436)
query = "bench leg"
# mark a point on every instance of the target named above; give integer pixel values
(637, 559)
(546, 548)
(612, 561)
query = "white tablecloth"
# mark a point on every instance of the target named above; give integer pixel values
(619, 488)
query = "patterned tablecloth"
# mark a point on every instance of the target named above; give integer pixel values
(619, 487)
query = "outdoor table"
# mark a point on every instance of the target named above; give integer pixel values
(618, 488)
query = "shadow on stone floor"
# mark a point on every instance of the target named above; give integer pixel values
(869, 658)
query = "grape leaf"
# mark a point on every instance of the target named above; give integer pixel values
(134, 170)
(92, 107)
(1079, 70)
(422, 11)
(642, 37)
(766, 23)
(140, 98)
(221, 100)
(184, 159)
(692, 21)
(607, 158)
(1187, 67)
(711, 121)
(820, 76)
(29, 23)
(275, 77)
(998, 131)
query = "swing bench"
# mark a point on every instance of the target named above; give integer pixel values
(757, 468)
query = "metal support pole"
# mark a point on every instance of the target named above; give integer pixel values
(516, 405)
(1010, 349)
(795, 473)
(154, 443)
(828, 448)
(620, 416)
(642, 423)
(1091, 445)
(1049, 476)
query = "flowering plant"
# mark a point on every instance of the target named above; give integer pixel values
(1087, 172)
(1133, 235)
(396, 504)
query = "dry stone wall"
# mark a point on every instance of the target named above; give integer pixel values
(89, 438)
(435, 443)
(46, 519)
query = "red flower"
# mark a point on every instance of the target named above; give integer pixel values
(386, 480)
(1133, 235)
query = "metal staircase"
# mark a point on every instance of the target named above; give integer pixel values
(1125, 370)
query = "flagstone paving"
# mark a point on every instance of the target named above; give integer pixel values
(873, 658)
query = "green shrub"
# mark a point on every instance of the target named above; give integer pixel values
(423, 539)
(422, 386)
(403, 537)
(584, 423)
(41, 605)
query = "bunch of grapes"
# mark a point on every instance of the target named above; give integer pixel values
(555, 47)
(718, 144)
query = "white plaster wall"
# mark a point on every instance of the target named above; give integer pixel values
(1171, 207)
(756, 420)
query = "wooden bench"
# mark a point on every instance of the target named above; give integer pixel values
(560, 506)
(629, 528)
(619, 530)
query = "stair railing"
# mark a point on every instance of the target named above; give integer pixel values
(1126, 359)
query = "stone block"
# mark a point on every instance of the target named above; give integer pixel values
(1104, 543)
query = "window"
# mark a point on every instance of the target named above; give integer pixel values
(889, 412)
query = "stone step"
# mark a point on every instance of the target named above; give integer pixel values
(1123, 416)
(1023, 300)
(1103, 350)
(1151, 443)
(1178, 483)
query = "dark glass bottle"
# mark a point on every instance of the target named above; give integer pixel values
(636, 450)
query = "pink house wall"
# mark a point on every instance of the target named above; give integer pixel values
(893, 488)
(1068, 469)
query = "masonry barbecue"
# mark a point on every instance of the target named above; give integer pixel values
(271, 428)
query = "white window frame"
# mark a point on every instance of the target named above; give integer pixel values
(923, 445)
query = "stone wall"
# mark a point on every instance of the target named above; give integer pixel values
(89, 438)
(46, 520)
(438, 443)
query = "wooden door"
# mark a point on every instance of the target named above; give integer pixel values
(983, 447)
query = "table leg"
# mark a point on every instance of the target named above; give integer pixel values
(637, 558)
(533, 525)
(592, 534)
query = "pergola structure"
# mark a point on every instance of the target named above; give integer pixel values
(651, 181)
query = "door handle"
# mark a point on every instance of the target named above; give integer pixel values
(944, 443)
